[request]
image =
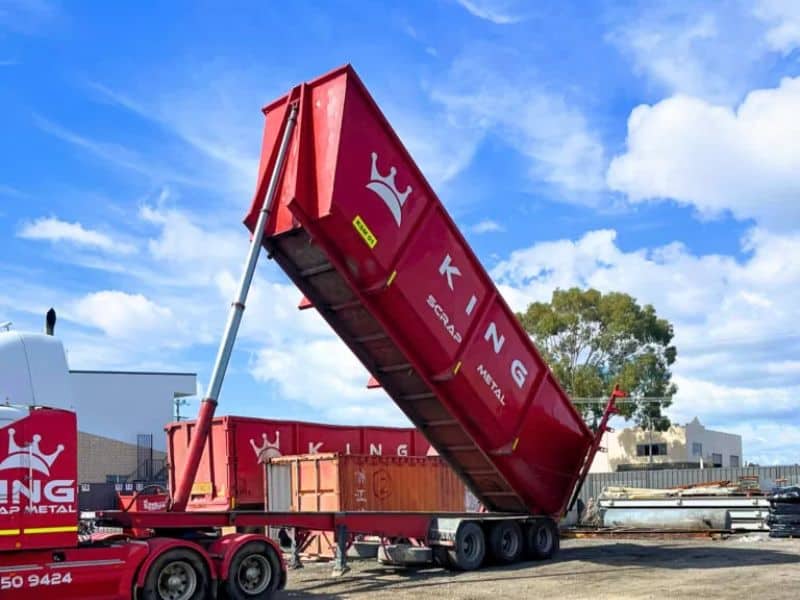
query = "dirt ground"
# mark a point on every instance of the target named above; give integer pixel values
(752, 566)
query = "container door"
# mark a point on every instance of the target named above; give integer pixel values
(279, 488)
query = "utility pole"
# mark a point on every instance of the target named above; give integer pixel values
(178, 403)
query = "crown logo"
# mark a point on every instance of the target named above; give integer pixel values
(267, 449)
(385, 188)
(29, 456)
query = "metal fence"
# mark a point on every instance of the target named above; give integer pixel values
(667, 478)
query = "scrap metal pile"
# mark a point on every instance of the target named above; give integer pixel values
(784, 512)
(710, 506)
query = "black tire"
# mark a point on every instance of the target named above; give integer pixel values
(783, 519)
(785, 508)
(178, 574)
(254, 572)
(541, 539)
(506, 542)
(470, 547)
(780, 532)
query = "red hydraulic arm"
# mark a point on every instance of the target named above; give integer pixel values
(610, 410)
(209, 404)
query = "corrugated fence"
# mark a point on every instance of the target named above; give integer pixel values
(667, 478)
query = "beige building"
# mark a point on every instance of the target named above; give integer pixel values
(681, 446)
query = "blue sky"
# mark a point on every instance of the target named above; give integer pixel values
(646, 148)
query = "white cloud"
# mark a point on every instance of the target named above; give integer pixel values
(745, 161)
(708, 50)
(680, 52)
(719, 401)
(783, 18)
(193, 252)
(487, 226)
(339, 381)
(55, 230)
(123, 315)
(499, 12)
(441, 149)
(768, 443)
(734, 320)
(553, 135)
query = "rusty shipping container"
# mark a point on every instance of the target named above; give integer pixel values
(356, 226)
(335, 482)
(339, 482)
(231, 471)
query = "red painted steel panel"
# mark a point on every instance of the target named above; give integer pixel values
(86, 573)
(38, 474)
(362, 234)
(230, 474)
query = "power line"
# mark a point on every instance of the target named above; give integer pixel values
(643, 400)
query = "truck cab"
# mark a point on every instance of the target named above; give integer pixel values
(33, 370)
(43, 552)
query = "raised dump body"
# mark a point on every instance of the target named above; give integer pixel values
(359, 230)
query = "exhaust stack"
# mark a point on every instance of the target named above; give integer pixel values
(50, 322)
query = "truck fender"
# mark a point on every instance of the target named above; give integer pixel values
(225, 548)
(160, 545)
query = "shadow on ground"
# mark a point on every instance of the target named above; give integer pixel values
(572, 561)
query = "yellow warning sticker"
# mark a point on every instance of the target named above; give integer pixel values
(364, 231)
(202, 488)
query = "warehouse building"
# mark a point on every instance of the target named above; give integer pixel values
(689, 446)
(121, 414)
(121, 418)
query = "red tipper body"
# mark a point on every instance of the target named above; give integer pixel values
(359, 230)
(231, 470)
(38, 473)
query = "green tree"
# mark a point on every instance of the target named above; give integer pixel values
(593, 340)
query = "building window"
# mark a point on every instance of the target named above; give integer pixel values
(697, 449)
(734, 461)
(716, 459)
(651, 449)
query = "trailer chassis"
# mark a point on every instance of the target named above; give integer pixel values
(442, 531)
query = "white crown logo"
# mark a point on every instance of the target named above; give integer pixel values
(267, 449)
(386, 190)
(29, 456)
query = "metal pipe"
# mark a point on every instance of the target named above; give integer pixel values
(209, 404)
(683, 519)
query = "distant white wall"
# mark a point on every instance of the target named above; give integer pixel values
(711, 442)
(121, 405)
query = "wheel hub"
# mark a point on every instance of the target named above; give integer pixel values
(254, 575)
(177, 581)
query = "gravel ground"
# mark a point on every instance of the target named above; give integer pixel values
(752, 566)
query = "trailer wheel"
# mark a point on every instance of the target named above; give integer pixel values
(178, 574)
(255, 572)
(470, 547)
(506, 542)
(542, 540)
